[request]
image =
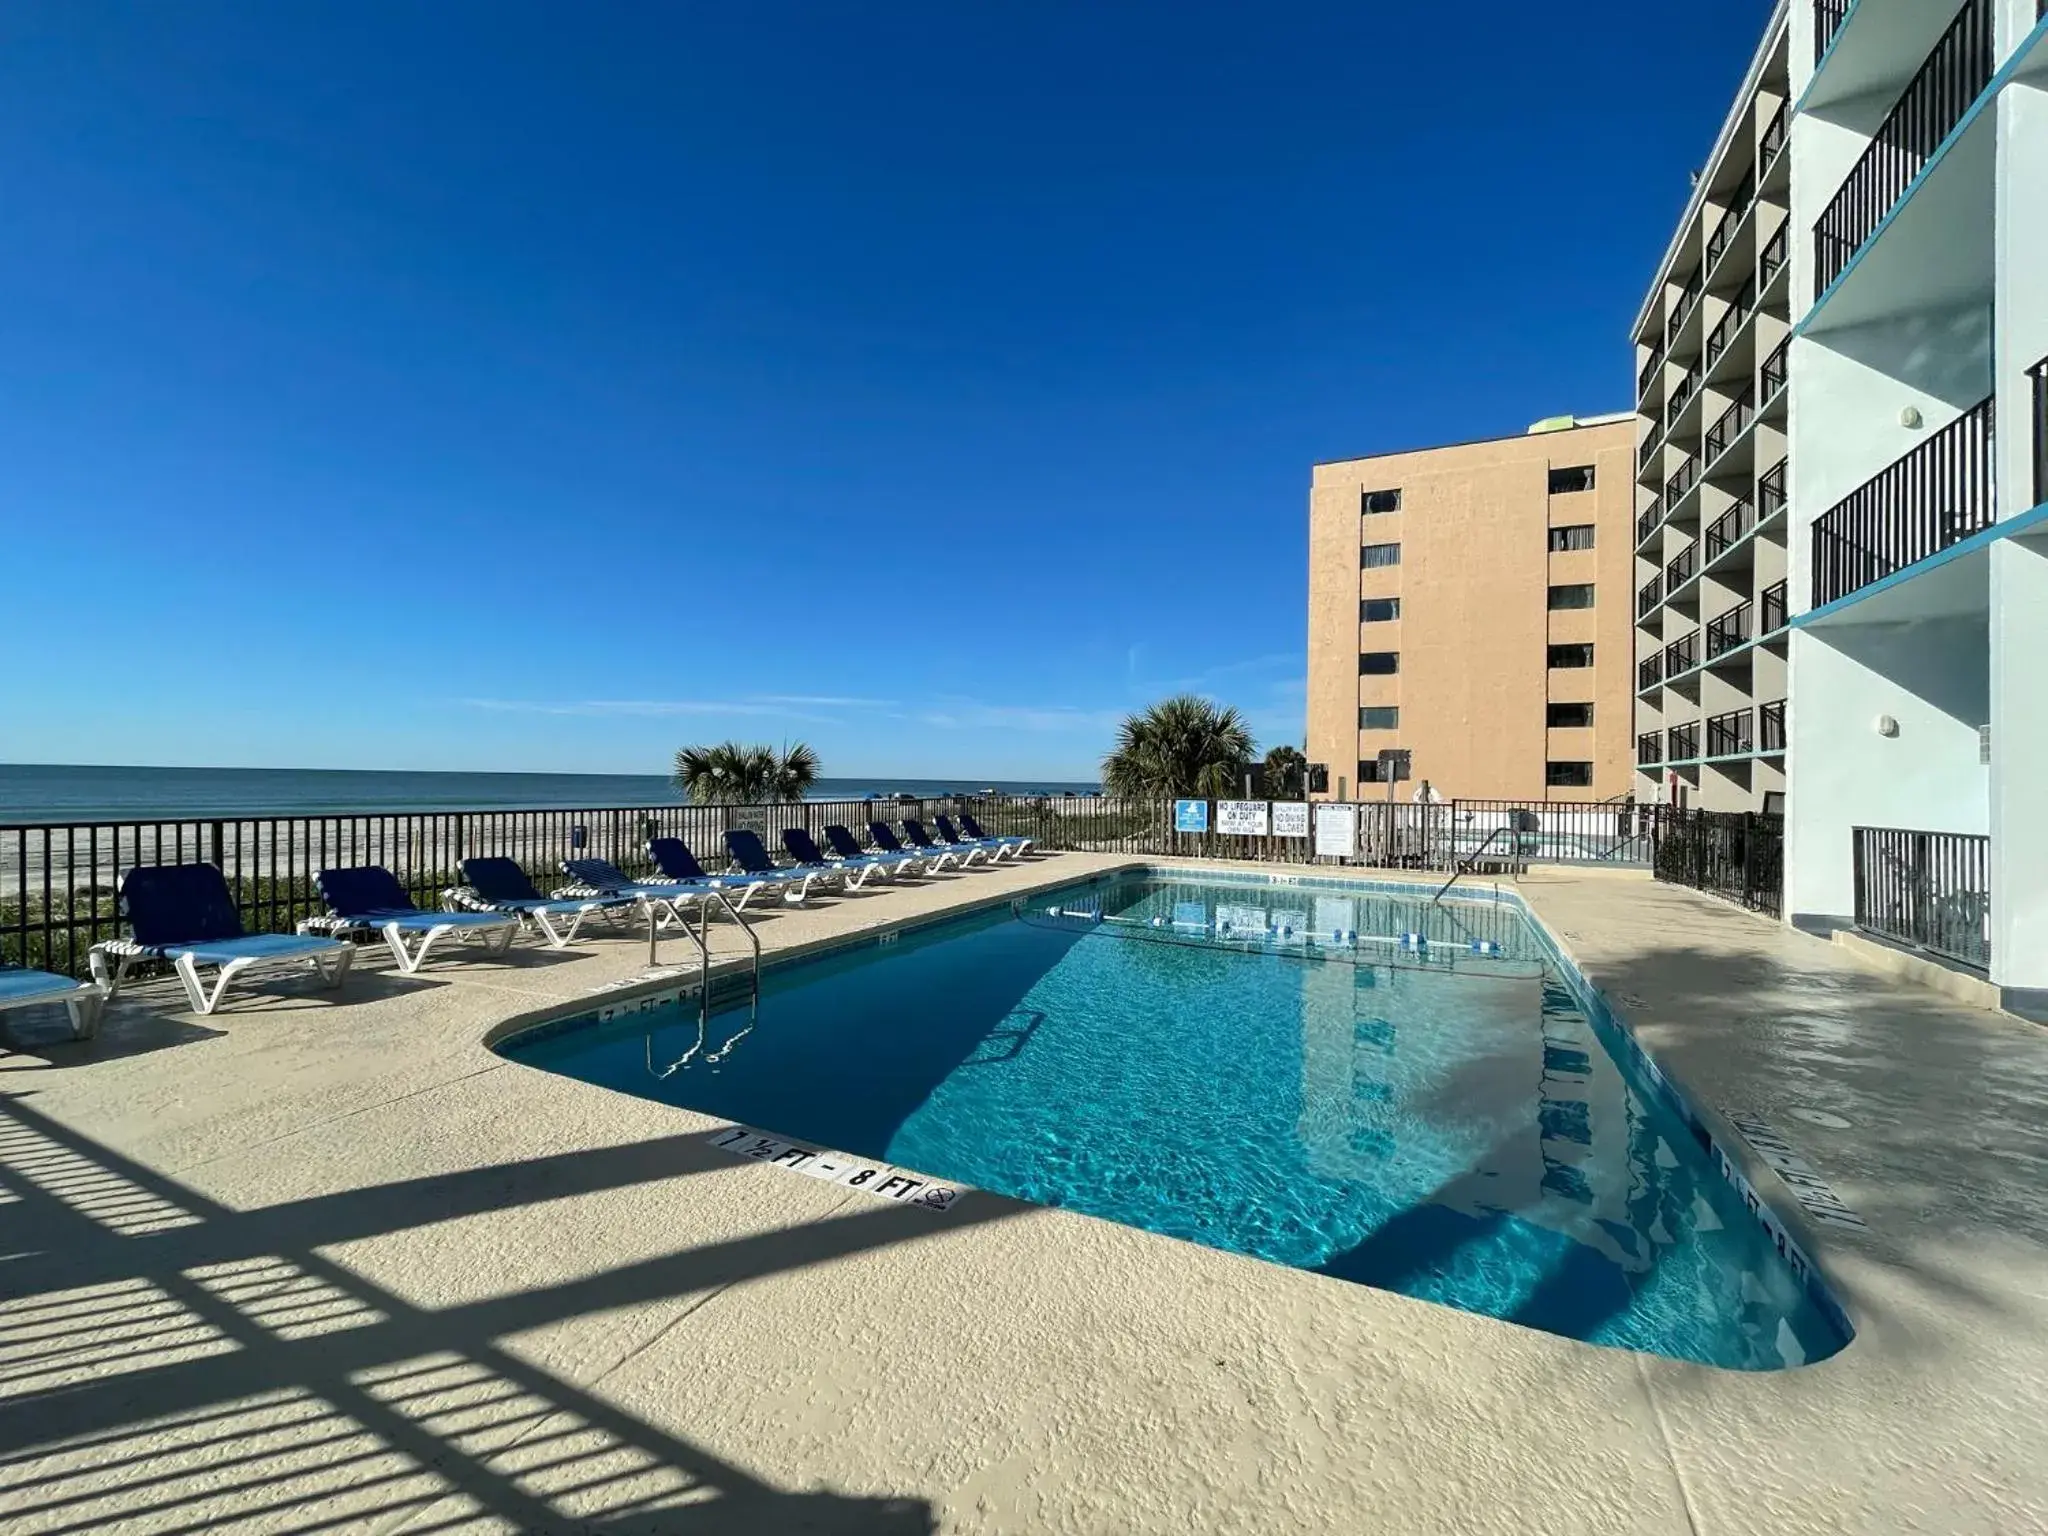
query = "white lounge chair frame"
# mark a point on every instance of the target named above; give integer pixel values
(496, 938)
(330, 964)
(83, 1003)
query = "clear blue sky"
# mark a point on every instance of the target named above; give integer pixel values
(542, 387)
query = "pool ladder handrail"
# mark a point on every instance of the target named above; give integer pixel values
(1464, 865)
(711, 894)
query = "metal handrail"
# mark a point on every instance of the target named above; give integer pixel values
(1464, 865)
(704, 980)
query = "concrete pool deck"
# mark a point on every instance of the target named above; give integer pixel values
(308, 1266)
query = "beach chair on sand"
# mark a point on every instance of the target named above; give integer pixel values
(679, 866)
(185, 914)
(500, 885)
(994, 847)
(935, 858)
(1018, 842)
(663, 900)
(899, 865)
(26, 989)
(751, 854)
(966, 853)
(852, 873)
(369, 899)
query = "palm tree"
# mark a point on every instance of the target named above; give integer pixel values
(733, 773)
(1185, 745)
(1284, 772)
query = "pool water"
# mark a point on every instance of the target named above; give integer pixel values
(1447, 1124)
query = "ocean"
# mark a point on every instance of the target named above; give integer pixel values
(39, 792)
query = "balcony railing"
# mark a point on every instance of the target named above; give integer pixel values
(1739, 310)
(1929, 890)
(1649, 371)
(1688, 295)
(1653, 514)
(1650, 671)
(1731, 734)
(1731, 423)
(1771, 376)
(1651, 444)
(1771, 601)
(1770, 491)
(1649, 749)
(1828, 16)
(1682, 743)
(1770, 726)
(1681, 392)
(1729, 528)
(1951, 78)
(2039, 373)
(1682, 655)
(1678, 570)
(1730, 630)
(1937, 495)
(1649, 596)
(1776, 252)
(1683, 479)
(1774, 136)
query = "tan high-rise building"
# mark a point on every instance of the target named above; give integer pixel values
(1471, 606)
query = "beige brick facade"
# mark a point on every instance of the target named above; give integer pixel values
(1475, 627)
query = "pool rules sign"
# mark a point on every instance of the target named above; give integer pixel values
(1336, 831)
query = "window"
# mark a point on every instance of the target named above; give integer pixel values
(1571, 655)
(1379, 718)
(1565, 717)
(1578, 536)
(1576, 595)
(1373, 556)
(1379, 663)
(1377, 771)
(1381, 501)
(1564, 481)
(1568, 775)
(1379, 610)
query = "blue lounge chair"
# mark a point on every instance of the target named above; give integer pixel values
(994, 847)
(25, 989)
(935, 858)
(751, 854)
(966, 853)
(845, 845)
(500, 885)
(368, 898)
(679, 866)
(663, 900)
(184, 913)
(1020, 843)
(852, 873)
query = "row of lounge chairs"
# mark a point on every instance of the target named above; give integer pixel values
(186, 915)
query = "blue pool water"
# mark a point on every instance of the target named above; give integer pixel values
(1458, 1132)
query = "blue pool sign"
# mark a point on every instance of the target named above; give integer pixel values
(1190, 815)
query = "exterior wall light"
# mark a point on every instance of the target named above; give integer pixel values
(1910, 417)
(1887, 727)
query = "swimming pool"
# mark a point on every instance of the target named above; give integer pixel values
(1273, 1069)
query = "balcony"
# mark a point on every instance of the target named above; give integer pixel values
(1771, 377)
(1770, 492)
(1776, 252)
(1770, 727)
(1648, 376)
(1772, 602)
(1774, 135)
(1739, 203)
(1683, 479)
(1681, 655)
(1688, 296)
(1649, 671)
(1681, 567)
(1730, 735)
(1730, 630)
(1729, 529)
(1951, 78)
(1681, 392)
(1927, 890)
(1649, 749)
(1739, 311)
(1935, 496)
(1682, 743)
(1828, 16)
(1653, 514)
(1651, 594)
(1731, 423)
(1650, 446)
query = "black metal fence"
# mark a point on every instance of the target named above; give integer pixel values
(1953, 75)
(2039, 374)
(1737, 855)
(1935, 496)
(60, 883)
(1828, 16)
(1927, 890)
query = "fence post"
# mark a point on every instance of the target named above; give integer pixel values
(217, 854)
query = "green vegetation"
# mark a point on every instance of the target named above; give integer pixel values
(732, 773)
(1184, 745)
(1284, 774)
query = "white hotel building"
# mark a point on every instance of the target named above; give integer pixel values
(1913, 535)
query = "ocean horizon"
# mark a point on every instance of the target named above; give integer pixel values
(57, 792)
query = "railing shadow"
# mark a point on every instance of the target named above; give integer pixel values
(168, 1363)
